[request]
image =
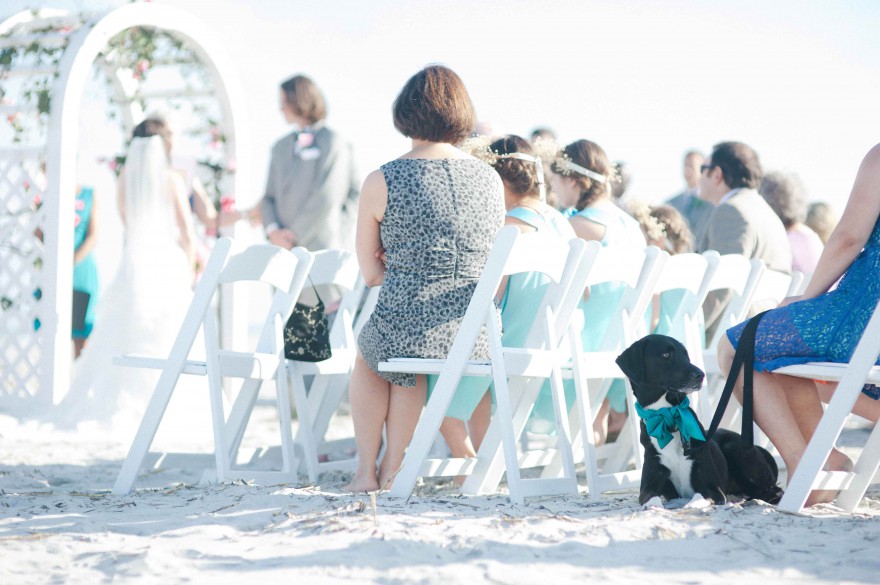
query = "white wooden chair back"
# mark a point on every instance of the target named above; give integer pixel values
(851, 377)
(285, 271)
(799, 281)
(773, 286)
(318, 399)
(512, 253)
(731, 274)
(640, 271)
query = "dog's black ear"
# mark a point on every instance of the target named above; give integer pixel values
(632, 362)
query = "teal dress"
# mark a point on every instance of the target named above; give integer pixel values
(85, 272)
(620, 230)
(519, 307)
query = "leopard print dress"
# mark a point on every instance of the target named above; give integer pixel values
(440, 221)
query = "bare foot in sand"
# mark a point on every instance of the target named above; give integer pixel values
(837, 461)
(360, 484)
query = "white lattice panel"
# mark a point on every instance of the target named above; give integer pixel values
(46, 59)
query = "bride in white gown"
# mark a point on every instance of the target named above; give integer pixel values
(142, 309)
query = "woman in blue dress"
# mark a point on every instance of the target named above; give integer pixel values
(820, 325)
(582, 179)
(85, 270)
(520, 296)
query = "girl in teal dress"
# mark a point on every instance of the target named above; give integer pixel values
(85, 270)
(522, 174)
(582, 179)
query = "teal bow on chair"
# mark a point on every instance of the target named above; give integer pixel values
(661, 422)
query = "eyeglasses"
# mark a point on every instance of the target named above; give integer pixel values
(704, 168)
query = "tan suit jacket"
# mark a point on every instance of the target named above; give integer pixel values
(744, 224)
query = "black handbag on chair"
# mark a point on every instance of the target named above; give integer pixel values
(307, 333)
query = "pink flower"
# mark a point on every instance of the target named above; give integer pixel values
(12, 118)
(76, 220)
(112, 164)
(230, 165)
(304, 140)
(37, 200)
(80, 205)
(227, 203)
(143, 65)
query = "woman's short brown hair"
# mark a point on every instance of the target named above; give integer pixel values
(434, 106)
(304, 98)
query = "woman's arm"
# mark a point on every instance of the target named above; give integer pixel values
(88, 243)
(183, 216)
(854, 229)
(371, 210)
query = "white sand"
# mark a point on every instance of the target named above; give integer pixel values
(58, 524)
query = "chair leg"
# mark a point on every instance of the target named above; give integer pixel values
(289, 462)
(147, 430)
(818, 449)
(303, 413)
(864, 470)
(215, 391)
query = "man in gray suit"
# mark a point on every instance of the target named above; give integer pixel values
(312, 188)
(742, 222)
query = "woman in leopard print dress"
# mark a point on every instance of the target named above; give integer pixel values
(426, 222)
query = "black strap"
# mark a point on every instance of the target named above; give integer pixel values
(744, 357)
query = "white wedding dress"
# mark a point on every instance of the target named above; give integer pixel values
(142, 309)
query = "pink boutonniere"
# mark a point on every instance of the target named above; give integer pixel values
(305, 148)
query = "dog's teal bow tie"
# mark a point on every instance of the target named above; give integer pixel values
(661, 422)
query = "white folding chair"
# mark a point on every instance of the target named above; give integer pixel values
(319, 401)
(851, 376)
(286, 272)
(512, 253)
(740, 276)
(639, 271)
(799, 281)
(691, 274)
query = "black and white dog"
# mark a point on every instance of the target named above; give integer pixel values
(678, 461)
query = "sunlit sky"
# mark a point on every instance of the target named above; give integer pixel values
(797, 80)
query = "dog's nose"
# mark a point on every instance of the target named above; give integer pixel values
(697, 375)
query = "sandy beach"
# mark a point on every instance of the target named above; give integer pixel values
(59, 524)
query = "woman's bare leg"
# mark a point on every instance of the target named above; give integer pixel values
(865, 407)
(404, 409)
(480, 419)
(803, 400)
(455, 433)
(771, 408)
(369, 396)
(600, 425)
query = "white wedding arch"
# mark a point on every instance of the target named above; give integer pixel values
(46, 60)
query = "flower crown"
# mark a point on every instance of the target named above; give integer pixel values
(655, 230)
(479, 147)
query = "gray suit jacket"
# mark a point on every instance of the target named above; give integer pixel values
(744, 224)
(312, 189)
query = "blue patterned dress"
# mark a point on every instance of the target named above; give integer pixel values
(826, 328)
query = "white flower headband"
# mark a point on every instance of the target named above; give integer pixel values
(539, 168)
(572, 166)
(478, 147)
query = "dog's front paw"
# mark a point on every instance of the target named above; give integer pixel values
(698, 502)
(655, 502)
